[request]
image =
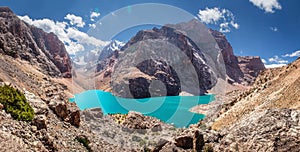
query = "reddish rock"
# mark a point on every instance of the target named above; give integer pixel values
(45, 50)
(54, 49)
(239, 69)
(233, 70)
(251, 66)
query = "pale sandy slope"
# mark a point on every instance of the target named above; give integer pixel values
(273, 89)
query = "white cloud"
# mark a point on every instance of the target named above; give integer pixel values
(263, 61)
(92, 26)
(294, 54)
(210, 16)
(83, 38)
(224, 27)
(222, 17)
(73, 39)
(75, 20)
(94, 15)
(277, 60)
(275, 29)
(269, 6)
(235, 25)
(274, 65)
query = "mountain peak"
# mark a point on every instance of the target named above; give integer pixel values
(5, 9)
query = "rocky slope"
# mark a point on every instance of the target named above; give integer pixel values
(263, 118)
(274, 88)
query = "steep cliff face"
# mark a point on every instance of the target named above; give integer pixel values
(239, 69)
(45, 50)
(250, 66)
(54, 49)
(233, 71)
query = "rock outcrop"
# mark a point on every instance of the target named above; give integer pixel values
(140, 86)
(45, 50)
(136, 120)
(251, 66)
(233, 71)
(239, 69)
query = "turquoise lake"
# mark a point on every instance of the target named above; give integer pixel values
(170, 109)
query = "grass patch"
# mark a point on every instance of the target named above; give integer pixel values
(15, 103)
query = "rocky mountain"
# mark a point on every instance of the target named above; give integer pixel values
(263, 118)
(109, 49)
(83, 58)
(144, 72)
(44, 50)
(251, 66)
(268, 112)
(239, 69)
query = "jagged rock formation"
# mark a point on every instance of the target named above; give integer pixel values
(251, 66)
(239, 69)
(32, 60)
(233, 71)
(140, 76)
(45, 50)
(109, 49)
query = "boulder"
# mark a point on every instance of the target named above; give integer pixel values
(184, 141)
(135, 120)
(40, 122)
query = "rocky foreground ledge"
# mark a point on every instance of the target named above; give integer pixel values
(268, 130)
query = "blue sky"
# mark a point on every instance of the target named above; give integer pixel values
(266, 28)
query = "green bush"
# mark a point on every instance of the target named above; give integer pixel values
(15, 103)
(85, 142)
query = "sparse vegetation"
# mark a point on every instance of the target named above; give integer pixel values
(142, 142)
(208, 148)
(15, 103)
(118, 117)
(84, 141)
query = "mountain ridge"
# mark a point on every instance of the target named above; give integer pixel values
(20, 40)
